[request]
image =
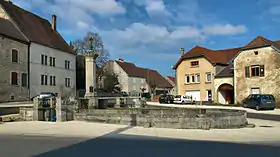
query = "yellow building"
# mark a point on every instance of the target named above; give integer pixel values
(196, 73)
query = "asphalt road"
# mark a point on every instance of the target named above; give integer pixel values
(127, 146)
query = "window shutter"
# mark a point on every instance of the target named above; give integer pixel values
(247, 72)
(261, 70)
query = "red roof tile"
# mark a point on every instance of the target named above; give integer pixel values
(213, 56)
(152, 76)
(35, 28)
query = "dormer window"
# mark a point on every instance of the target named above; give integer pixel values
(194, 64)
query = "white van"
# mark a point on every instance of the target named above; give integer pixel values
(182, 99)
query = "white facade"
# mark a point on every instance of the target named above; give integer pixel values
(65, 79)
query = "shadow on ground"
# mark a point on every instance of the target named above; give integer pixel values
(139, 146)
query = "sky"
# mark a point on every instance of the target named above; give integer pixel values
(150, 33)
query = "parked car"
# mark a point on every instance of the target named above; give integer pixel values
(260, 101)
(45, 95)
(182, 99)
(166, 98)
(147, 96)
(123, 94)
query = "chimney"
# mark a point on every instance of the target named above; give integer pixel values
(182, 50)
(54, 22)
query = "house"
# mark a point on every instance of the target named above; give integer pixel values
(135, 80)
(196, 71)
(171, 80)
(257, 69)
(13, 63)
(52, 63)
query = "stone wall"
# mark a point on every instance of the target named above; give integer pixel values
(168, 118)
(7, 90)
(268, 57)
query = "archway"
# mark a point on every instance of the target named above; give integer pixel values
(226, 94)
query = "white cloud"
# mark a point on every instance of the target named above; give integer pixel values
(156, 7)
(74, 12)
(227, 29)
(139, 33)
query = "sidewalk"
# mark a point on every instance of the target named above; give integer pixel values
(272, 112)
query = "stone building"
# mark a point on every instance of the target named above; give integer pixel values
(257, 69)
(52, 63)
(135, 80)
(13, 63)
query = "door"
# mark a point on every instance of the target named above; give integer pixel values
(208, 95)
(195, 95)
(255, 91)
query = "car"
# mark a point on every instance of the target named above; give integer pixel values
(166, 98)
(260, 101)
(123, 94)
(45, 95)
(182, 99)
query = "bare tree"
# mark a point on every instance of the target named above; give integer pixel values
(82, 46)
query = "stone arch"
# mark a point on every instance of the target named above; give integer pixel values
(225, 94)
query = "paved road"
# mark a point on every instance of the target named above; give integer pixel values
(127, 146)
(263, 116)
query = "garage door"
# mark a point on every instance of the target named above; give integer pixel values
(194, 94)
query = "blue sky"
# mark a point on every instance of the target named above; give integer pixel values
(150, 33)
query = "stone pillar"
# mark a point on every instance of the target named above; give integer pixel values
(35, 109)
(61, 110)
(90, 69)
(92, 102)
(118, 102)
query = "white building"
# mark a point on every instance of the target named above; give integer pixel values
(52, 63)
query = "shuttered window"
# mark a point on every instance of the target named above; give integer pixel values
(247, 72)
(261, 70)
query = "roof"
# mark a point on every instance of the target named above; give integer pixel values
(259, 41)
(226, 72)
(172, 78)
(152, 76)
(9, 30)
(213, 56)
(35, 28)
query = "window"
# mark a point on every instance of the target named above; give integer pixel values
(14, 56)
(194, 63)
(43, 59)
(24, 80)
(46, 60)
(52, 61)
(187, 79)
(14, 78)
(197, 78)
(255, 71)
(52, 81)
(67, 82)
(44, 80)
(67, 64)
(208, 77)
(193, 79)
